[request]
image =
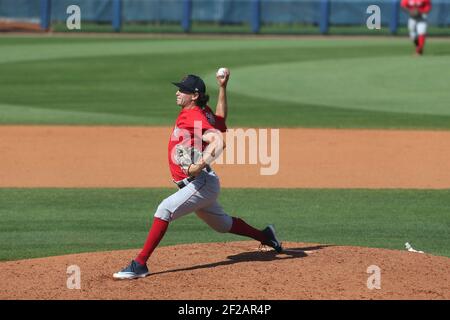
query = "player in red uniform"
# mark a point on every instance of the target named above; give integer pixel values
(194, 143)
(417, 22)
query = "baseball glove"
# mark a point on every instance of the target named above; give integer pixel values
(185, 156)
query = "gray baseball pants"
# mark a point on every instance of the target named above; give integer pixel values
(199, 196)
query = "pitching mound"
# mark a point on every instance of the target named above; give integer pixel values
(235, 270)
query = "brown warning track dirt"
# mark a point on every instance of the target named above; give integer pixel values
(7, 25)
(234, 270)
(61, 156)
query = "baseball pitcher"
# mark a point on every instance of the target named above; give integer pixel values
(195, 142)
(417, 22)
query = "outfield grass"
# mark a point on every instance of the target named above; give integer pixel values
(44, 222)
(244, 28)
(373, 83)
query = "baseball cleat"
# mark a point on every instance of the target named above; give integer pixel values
(272, 240)
(132, 271)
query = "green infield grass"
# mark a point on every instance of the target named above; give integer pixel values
(46, 222)
(338, 83)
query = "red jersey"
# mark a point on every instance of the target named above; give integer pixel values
(423, 6)
(189, 128)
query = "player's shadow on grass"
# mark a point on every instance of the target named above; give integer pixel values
(289, 253)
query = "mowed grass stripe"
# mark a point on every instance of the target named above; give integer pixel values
(377, 84)
(128, 82)
(45, 222)
(29, 49)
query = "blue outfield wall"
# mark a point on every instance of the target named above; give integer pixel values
(322, 13)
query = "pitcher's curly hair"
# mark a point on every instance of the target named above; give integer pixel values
(202, 100)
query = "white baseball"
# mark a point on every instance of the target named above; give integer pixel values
(221, 72)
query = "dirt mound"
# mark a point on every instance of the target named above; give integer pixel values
(234, 270)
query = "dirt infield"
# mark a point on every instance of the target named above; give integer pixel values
(234, 270)
(58, 156)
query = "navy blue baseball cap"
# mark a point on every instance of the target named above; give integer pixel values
(192, 84)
